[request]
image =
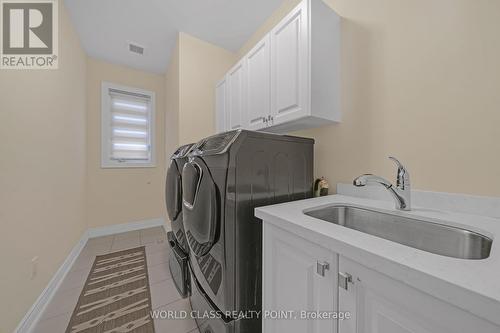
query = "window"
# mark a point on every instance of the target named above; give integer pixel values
(127, 128)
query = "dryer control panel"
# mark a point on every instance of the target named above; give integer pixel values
(216, 144)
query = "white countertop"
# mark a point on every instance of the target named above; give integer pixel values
(473, 285)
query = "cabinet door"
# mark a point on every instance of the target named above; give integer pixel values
(291, 282)
(380, 304)
(236, 98)
(258, 76)
(289, 67)
(220, 106)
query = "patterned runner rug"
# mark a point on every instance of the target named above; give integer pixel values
(116, 296)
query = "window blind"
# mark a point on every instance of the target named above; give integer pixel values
(130, 137)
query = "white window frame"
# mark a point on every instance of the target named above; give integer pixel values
(106, 160)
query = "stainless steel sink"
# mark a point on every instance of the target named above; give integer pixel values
(420, 234)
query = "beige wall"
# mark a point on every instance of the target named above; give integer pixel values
(194, 68)
(172, 103)
(201, 65)
(421, 81)
(52, 186)
(42, 172)
(121, 195)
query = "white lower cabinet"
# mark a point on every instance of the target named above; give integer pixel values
(296, 278)
(380, 304)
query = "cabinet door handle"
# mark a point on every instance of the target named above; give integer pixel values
(344, 280)
(321, 267)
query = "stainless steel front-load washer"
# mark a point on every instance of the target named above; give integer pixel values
(226, 177)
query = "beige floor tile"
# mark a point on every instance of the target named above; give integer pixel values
(96, 249)
(57, 324)
(175, 325)
(152, 231)
(125, 243)
(152, 239)
(128, 235)
(157, 257)
(75, 279)
(83, 262)
(159, 273)
(157, 247)
(63, 302)
(101, 240)
(145, 240)
(163, 293)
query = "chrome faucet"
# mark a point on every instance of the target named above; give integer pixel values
(400, 192)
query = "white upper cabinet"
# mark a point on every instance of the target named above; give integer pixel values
(258, 77)
(236, 97)
(220, 106)
(289, 79)
(291, 76)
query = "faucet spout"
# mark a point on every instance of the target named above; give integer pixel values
(369, 179)
(401, 192)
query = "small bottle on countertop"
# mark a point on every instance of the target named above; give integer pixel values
(321, 187)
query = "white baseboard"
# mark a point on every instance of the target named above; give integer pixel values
(33, 315)
(125, 227)
(29, 321)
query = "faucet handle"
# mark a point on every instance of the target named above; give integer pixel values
(403, 176)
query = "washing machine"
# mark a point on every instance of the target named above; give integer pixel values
(225, 178)
(179, 250)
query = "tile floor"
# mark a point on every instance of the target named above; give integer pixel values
(164, 295)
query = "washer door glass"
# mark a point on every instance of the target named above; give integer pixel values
(173, 191)
(200, 206)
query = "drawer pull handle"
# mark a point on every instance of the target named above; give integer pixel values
(321, 267)
(344, 280)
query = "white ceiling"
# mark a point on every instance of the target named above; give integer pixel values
(106, 26)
